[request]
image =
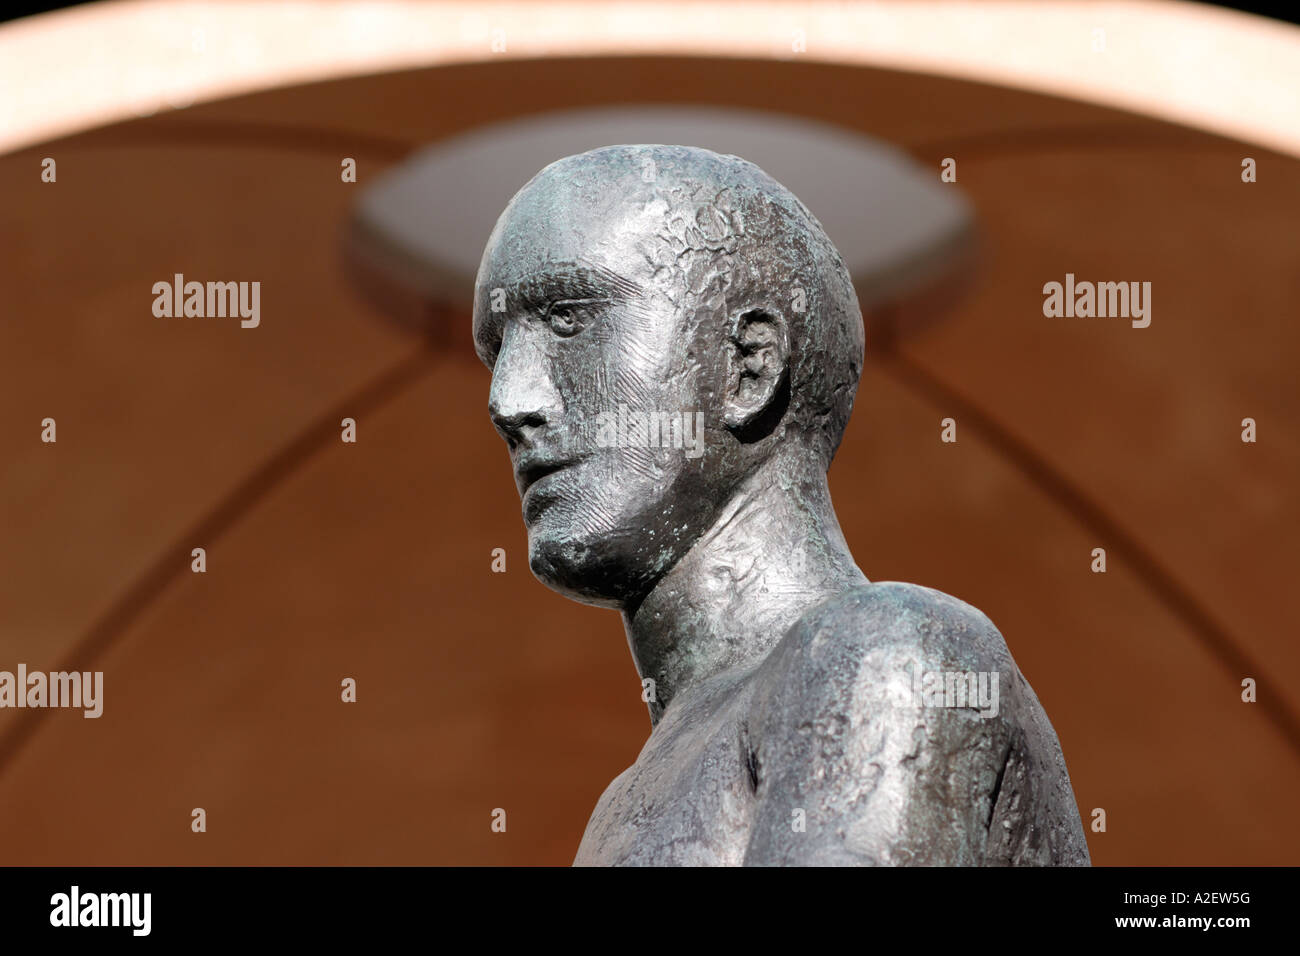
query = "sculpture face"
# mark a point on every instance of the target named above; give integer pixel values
(589, 342)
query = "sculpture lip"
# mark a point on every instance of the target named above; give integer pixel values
(531, 470)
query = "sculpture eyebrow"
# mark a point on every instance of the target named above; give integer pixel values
(573, 281)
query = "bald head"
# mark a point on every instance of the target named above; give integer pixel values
(713, 235)
(660, 321)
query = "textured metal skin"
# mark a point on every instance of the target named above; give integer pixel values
(801, 714)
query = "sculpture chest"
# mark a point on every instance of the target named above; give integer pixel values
(689, 797)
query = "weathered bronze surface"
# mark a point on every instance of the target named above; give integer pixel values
(675, 346)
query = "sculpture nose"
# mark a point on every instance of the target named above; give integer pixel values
(521, 394)
(515, 427)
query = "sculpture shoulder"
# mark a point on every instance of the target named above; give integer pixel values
(894, 718)
(876, 634)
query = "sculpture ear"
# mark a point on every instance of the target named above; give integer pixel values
(757, 373)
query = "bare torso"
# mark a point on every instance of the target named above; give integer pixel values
(807, 756)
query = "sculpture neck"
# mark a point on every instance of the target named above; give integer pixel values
(774, 550)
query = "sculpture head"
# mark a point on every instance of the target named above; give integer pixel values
(660, 322)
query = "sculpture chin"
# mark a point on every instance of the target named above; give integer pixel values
(603, 535)
(574, 570)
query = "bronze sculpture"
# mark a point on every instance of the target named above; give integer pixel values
(675, 347)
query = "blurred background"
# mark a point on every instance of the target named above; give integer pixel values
(479, 690)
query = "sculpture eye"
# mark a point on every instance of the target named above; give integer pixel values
(570, 316)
